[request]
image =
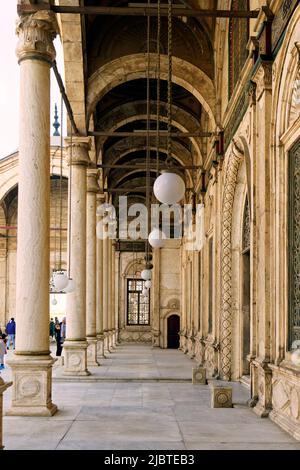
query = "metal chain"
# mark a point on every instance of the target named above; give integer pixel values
(158, 87)
(169, 142)
(60, 182)
(148, 130)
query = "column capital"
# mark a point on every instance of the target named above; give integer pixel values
(78, 150)
(263, 77)
(36, 33)
(101, 197)
(92, 180)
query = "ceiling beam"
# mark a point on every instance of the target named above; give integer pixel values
(143, 167)
(151, 134)
(142, 10)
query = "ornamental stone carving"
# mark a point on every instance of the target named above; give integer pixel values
(78, 150)
(232, 168)
(36, 33)
(263, 78)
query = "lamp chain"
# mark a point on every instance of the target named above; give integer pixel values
(60, 183)
(148, 131)
(169, 142)
(158, 88)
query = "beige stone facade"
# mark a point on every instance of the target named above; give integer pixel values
(235, 296)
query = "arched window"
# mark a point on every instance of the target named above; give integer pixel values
(238, 39)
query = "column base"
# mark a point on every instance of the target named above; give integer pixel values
(111, 341)
(92, 352)
(75, 353)
(100, 347)
(106, 343)
(264, 388)
(32, 386)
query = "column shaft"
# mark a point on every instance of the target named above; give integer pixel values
(92, 188)
(99, 292)
(105, 292)
(75, 345)
(32, 364)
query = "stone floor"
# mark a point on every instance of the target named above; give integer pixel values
(143, 398)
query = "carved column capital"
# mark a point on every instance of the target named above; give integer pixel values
(36, 33)
(78, 150)
(263, 78)
(92, 181)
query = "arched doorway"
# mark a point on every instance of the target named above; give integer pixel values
(173, 331)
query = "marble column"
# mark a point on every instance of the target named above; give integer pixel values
(263, 235)
(113, 275)
(117, 296)
(105, 304)
(99, 291)
(31, 365)
(92, 189)
(75, 346)
(109, 273)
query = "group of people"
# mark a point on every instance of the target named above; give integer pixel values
(7, 340)
(58, 331)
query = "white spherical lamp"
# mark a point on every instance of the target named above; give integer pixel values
(60, 280)
(295, 357)
(148, 284)
(169, 188)
(70, 286)
(54, 301)
(145, 292)
(146, 274)
(157, 238)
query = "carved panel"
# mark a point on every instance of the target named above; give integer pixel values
(294, 243)
(295, 99)
(281, 20)
(246, 226)
(226, 263)
(238, 38)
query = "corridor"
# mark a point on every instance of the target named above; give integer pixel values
(142, 398)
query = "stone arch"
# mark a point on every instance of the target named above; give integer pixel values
(134, 66)
(134, 111)
(234, 159)
(126, 146)
(128, 271)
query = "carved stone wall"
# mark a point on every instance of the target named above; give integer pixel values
(234, 159)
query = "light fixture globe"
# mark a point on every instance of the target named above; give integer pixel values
(60, 280)
(295, 357)
(148, 284)
(146, 274)
(169, 188)
(70, 286)
(157, 238)
(54, 301)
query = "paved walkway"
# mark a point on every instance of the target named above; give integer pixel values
(143, 411)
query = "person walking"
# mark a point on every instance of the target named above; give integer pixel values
(52, 328)
(11, 333)
(3, 350)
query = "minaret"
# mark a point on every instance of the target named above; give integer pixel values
(56, 124)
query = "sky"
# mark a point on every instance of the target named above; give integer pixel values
(9, 80)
